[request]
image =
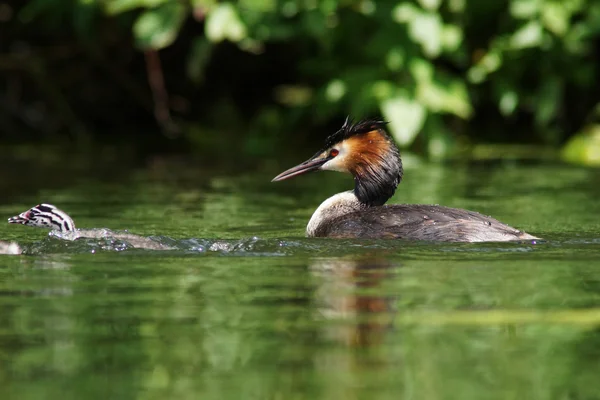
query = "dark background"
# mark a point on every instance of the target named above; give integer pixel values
(257, 82)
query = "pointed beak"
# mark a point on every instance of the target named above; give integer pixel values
(19, 219)
(307, 166)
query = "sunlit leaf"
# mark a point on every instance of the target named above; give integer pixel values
(327, 6)
(452, 37)
(440, 141)
(458, 102)
(449, 97)
(584, 148)
(382, 90)
(426, 29)
(574, 6)
(394, 59)
(289, 9)
(157, 28)
(421, 70)
(367, 7)
(489, 63)
(293, 95)
(207, 4)
(456, 6)
(404, 12)
(556, 18)
(224, 23)
(430, 4)
(258, 5)
(508, 102)
(251, 45)
(406, 118)
(120, 6)
(525, 9)
(529, 35)
(476, 74)
(575, 41)
(335, 90)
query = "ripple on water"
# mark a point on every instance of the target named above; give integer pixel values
(109, 241)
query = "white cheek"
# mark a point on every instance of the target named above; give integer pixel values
(337, 163)
(333, 165)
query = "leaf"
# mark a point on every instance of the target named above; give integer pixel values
(525, 9)
(584, 148)
(261, 6)
(406, 118)
(556, 18)
(421, 70)
(206, 4)
(395, 59)
(426, 29)
(440, 96)
(489, 63)
(430, 4)
(336, 89)
(382, 90)
(293, 95)
(437, 91)
(458, 101)
(529, 35)
(224, 23)
(157, 28)
(452, 37)
(440, 141)
(508, 102)
(456, 6)
(404, 12)
(121, 6)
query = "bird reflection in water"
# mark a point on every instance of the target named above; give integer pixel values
(352, 291)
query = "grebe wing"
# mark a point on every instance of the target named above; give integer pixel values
(420, 222)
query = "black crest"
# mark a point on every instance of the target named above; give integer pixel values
(350, 129)
(377, 182)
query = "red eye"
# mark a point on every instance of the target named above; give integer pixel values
(334, 152)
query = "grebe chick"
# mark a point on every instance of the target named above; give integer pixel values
(48, 216)
(366, 151)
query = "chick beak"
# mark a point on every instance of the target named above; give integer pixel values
(313, 164)
(19, 219)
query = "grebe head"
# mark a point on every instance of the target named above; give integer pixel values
(364, 150)
(45, 216)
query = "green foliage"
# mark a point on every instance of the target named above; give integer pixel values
(421, 64)
(157, 27)
(584, 147)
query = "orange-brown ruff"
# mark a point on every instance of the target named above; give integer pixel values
(367, 152)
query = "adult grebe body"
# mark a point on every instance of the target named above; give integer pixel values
(366, 151)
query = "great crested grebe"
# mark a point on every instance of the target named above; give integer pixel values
(48, 216)
(366, 151)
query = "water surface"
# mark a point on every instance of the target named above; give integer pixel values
(246, 307)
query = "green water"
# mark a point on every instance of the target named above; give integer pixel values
(247, 308)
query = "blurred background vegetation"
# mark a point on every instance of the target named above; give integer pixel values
(261, 77)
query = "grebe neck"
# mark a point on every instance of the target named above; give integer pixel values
(377, 169)
(335, 206)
